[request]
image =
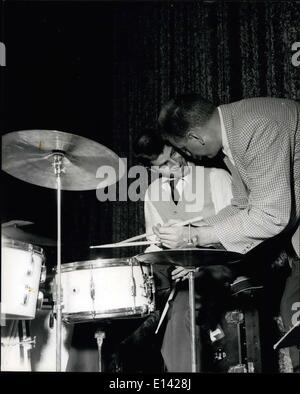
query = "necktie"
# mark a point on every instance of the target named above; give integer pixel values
(174, 192)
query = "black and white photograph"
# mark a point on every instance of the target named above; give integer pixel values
(150, 189)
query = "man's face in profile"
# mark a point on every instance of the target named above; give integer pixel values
(170, 163)
(198, 143)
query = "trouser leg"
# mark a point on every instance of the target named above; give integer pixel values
(290, 308)
(176, 347)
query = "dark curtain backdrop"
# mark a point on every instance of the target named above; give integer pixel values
(224, 51)
(103, 69)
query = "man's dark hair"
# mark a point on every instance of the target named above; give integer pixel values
(181, 114)
(148, 144)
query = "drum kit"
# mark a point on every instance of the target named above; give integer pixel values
(55, 160)
(86, 290)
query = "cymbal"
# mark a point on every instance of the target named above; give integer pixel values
(16, 223)
(190, 258)
(28, 155)
(17, 234)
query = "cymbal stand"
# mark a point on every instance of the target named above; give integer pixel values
(191, 278)
(100, 335)
(58, 169)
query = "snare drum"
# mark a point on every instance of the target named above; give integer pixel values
(106, 288)
(22, 269)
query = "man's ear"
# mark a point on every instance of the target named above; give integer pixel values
(195, 136)
(191, 134)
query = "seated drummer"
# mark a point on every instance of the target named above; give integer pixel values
(182, 191)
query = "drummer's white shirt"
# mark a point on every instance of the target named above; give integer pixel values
(220, 184)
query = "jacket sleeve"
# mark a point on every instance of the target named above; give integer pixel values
(265, 159)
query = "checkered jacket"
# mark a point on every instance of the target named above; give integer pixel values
(264, 139)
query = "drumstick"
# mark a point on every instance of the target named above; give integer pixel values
(124, 245)
(137, 237)
(184, 223)
(166, 308)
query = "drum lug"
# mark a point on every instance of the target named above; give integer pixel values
(133, 287)
(145, 309)
(43, 274)
(40, 300)
(133, 290)
(92, 289)
(31, 250)
(149, 285)
(25, 299)
(26, 295)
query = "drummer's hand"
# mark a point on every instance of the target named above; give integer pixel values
(180, 273)
(173, 237)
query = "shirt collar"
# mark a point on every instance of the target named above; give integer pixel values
(226, 149)
(186, 178)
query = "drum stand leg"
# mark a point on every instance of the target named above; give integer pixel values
(25, 344)
(191, 276)
(100, 335)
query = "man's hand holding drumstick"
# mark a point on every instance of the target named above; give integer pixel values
(173, 236)
(176, 235)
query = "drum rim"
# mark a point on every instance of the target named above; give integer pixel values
(13, 316)
(84, 316)
(26, 246)
(99, 263)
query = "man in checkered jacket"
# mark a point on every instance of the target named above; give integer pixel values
(260, 139)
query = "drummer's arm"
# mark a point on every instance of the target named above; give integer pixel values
(205, 236)
(177, 237)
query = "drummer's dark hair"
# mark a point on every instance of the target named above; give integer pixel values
(148, 144)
